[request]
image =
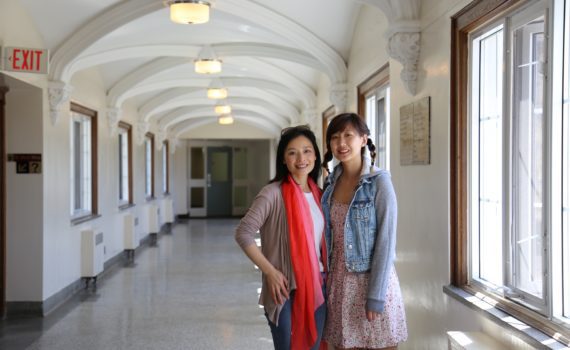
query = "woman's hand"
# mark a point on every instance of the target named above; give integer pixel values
(371, 315)
(278, 286)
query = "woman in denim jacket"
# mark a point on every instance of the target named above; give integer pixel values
(364, 303)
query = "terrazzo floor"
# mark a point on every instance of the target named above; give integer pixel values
(194, 290)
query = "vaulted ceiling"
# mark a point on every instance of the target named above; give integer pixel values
(275, 53)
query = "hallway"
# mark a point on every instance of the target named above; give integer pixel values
(195, 290)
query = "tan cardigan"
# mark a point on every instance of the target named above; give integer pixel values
(267, 214)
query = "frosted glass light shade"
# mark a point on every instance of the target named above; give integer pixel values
(207, 66)
(223, 109)
(217, 93)
(189, 11)
(226, 119)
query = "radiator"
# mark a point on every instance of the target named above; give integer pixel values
(129, 233)
(152, 218)
(92, 253)
(167, 211)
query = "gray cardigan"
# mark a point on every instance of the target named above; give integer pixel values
(267, 214)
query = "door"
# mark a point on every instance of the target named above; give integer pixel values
(219, 181)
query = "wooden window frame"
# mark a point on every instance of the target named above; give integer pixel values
(166, 146)
(374, 81)
(151, 137)
(463, 23)
(92, 114)
(129, 129)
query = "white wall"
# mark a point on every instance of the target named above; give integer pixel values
(24, 193)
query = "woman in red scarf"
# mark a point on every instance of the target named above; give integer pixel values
(288, 216)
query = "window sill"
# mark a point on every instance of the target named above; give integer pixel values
(517, 328)
(126, 206)
(83, 219)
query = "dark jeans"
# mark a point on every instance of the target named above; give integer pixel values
(282, 334)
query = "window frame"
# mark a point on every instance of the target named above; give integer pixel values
(377, 81)
(129, 132)
(463, 24)
(166, 167)
(77, 218)
(150, 138)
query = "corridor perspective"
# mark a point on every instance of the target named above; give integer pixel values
(135, 134)
(193, 290)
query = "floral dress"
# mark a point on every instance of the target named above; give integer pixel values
(346, 325)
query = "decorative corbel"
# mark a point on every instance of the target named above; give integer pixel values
(160, 137)
(404, 47)
(338, 96)
(113, 119)
(58, 93)
(142, 129)
(173, 143)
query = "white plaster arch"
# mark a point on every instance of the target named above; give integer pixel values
(180, 114)
(278, 90)
(222, 50)
(195, 123)
(172, 98)
(155, 67)
(126, 11)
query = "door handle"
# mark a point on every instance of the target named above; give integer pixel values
(209, 180)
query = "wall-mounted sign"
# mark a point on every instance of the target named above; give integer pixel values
(21, 59)
(27, 163)
(415, 133)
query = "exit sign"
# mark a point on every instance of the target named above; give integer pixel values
(21, 59)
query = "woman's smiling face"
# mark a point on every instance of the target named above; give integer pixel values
(347, 144)
(300, 157)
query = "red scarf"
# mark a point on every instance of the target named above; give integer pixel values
(309, 294)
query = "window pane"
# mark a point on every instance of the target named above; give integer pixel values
(240, 163)
(486, 240)
(528, 149)
(197, 160)
(164, 168)
(197, 197)
(148, 167)
(240, 196)
(124, 166)
(490, 221)
(566, 168)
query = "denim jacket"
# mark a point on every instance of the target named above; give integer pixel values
(369, 230)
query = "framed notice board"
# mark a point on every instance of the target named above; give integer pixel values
(415, 133)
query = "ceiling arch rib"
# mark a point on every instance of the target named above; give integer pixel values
(195, 123)
(181, 114)
(292, 85)
(172, 97)
(201, 85)
(130, 10)
(222, 50)
(276, 89)
(206, 105)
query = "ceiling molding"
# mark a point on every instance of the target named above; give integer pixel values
(195, 123)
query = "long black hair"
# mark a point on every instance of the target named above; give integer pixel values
(287, 135)
(339, 123)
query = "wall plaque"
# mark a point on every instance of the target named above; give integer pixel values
(415, 133)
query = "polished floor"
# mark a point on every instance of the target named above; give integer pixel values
(194, 290)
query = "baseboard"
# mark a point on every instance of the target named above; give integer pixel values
(18, 309)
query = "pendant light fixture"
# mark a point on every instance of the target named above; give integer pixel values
(189, 11)
(226, 119)
(207, 62)
(216, 90)
(223, 108)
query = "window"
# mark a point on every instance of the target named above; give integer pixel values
(149, 165)
(165, 168)
(83, 162)
(509, 197)
(374, 106)
(125, 165)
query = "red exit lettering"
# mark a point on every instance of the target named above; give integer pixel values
(26, 60)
